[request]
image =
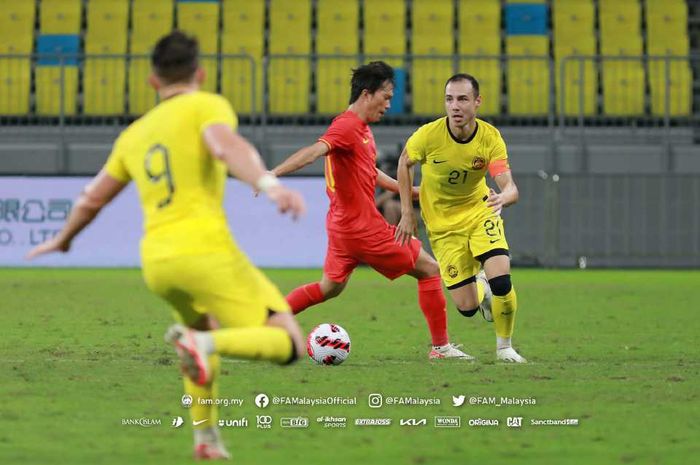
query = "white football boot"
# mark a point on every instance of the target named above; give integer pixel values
(508, 354)
(194, 359)
(485, 305)
(449, 351)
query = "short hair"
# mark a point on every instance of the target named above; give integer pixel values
(371, 76)
(175, 57)
(465, 77)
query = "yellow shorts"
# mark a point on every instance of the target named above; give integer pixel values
(225, 285)
(456, 250)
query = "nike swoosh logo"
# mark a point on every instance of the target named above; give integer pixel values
(493, 240)
(195, 423)
(441, 161)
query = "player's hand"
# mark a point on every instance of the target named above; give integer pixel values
(415, 192)
(287, 200)
(406, 228)
(495, 201)
(52, 245)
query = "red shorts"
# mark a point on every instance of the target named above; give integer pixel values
(380, 251)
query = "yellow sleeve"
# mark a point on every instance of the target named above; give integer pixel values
(217, 110)
(115, 165)
(415, 146)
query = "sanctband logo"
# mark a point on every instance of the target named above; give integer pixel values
(413, 422)
(448, 422)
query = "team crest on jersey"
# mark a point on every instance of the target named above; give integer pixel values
(478, 163)
(452, 271)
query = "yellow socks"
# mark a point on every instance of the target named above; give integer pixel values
(205, 414)
(258, 343)
(503, 309)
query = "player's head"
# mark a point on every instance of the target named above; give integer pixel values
(175, 60)
(372, 87)
(462, 98)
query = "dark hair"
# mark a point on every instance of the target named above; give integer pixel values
(175, 57)
(371, 76)
(465, 77)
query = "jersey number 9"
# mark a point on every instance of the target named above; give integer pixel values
(157, 165)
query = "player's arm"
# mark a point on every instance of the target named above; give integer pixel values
(508, 195)
(390, 184)
(301, 158)
(244, 162)
(98, 193)
(408, 225)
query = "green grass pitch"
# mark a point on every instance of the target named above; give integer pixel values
(83, 349)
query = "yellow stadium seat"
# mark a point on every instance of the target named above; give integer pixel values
(667, 31)
(106, 27)
(620, 32)
(623, 88)
(289, 78)
(60, 16)
(580, 85)
(290, 27)
(479, 27)
(428, 78)
(150, 20)
(48, 90)
(487, 72)
(104, 79)
(528, 86)
(527, 45)
(333, 84)
(431, 20)
(385, 30)
(289, 82)
(672, 87)
(16, 26)
(14, 85)
(243, 33)
(526, 1)
(573, 20)
(337, 35)
(201, 19)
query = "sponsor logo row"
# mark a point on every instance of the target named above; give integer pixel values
(445, 421)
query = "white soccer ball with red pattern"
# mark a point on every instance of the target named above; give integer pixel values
(328, 344)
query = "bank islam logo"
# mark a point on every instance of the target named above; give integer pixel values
(264, 421)
(186, 401)
(177, 422)
(514, 422)
(262, 401)
(457, 401)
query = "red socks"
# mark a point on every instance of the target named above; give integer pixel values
(305, 296)
(432, 302)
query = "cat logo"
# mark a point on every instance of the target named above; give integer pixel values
(478, 163)
(452, 271)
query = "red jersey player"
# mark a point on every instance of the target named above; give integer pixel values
(357, 232)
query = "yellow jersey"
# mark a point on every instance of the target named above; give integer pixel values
(453, 185)
(180, 184)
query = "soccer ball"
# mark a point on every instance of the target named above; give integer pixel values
(328, 344)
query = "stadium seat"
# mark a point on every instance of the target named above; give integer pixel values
(243, 33)
(150, 20)
(201, 19)
(667, 31)
(678, 89)
(289, 76)
(59, 16)
(431, 18)
(337, 34)
(56, 75)
(385, 31)
(528, 77)
(620, 35)
(479, 27)
(16, 37)
(104, 78)
(574, 34)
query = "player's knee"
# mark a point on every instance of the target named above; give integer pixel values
(500, 285)
(468, 313)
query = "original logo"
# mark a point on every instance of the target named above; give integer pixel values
(186, 401)
(478, 163)
(294, 422)
(264, 421)
(483, 422)
(413, 422)
(448, 422)
(177, 422)
(514, 422)
(452, 271)
(262, 401)
(457, 401)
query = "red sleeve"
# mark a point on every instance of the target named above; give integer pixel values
(339, 134)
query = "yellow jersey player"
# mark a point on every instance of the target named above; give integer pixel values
(461, 214)
(177, 155)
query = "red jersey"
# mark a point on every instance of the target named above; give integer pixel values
(351, 177)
